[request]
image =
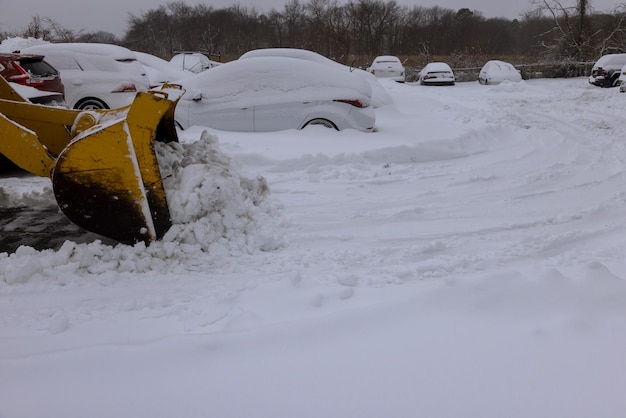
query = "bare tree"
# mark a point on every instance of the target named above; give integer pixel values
(576, 34)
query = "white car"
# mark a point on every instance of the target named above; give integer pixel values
(437, 74)
(495, 72)
(193, 61)
(273, 94)
(380, 96)
(96, 76)
(160, 71)
(387, 66)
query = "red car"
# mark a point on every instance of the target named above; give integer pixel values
(31, 70)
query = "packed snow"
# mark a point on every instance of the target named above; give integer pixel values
(467, 259)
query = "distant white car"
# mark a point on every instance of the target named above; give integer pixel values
(380, 96)
(387, 66)
(160, 71)
(95, 76)
(275, 93)
(495, 72)
(437, 74)
(193, 61)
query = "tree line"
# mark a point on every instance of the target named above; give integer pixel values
(551, 30)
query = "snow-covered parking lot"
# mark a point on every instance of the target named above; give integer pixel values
(467, 259)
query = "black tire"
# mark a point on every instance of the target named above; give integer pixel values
(323, 122)
(91, 103)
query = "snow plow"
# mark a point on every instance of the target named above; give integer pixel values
(102, 163)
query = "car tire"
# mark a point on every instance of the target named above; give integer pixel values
(91, 103)
(323, 122)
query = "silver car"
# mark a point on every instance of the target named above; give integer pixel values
(275, 93)
(387, 66)
(437, 74)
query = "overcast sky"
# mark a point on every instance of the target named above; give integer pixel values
(112, 15)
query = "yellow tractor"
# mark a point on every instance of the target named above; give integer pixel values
(102, 163)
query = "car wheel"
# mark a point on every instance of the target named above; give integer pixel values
(91, 103)
(323, 122)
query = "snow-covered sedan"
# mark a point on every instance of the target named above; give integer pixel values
(387, 66)
(437, 74)
(496, 72)
(380, 96)
(275, 93)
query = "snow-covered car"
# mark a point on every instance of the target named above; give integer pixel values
(159, 71)
(387, 66)
(437, 74)
(195, 62)
(496, 71)
(606, 71)
(95, 76)
(275, 93)
(380, 96)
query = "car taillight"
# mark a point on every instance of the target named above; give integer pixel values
(354, 102)
(20, 78)
(125, 88)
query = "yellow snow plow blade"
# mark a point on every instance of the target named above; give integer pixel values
(102, 164)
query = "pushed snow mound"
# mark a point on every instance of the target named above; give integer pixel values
(211, 205)
(216, 212)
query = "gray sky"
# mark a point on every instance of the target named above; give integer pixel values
(112, 15)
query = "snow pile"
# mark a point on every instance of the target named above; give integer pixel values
(17, 44)
(211, 204)
(216, 212)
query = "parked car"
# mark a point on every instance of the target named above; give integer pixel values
(195, 62)
(606, 71)
(275, 93)
(436, 74)
(380, 96)
(159, 71)
(31, 70)
(96, 76)
(387, 66)
(495, 72)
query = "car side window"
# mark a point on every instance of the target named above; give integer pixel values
(62, 62)
(97, 63)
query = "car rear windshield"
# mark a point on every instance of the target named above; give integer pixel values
(38, 67)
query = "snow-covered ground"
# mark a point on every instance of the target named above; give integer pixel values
(468, 259)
